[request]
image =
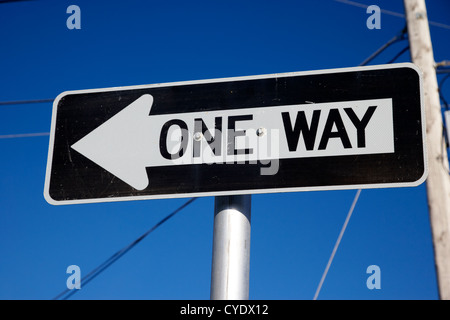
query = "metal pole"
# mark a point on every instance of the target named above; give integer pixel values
(438, 181)
(231, 248)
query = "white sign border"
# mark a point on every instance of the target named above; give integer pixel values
(50, 200)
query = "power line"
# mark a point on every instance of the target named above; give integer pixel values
(336, 245)
(441, 83)
(391, 13)
(445, 139)
(399, 37)
(8, 103)
(24, 135)
(365, 6)
(399, 54)
(6, 1)
(116, 256)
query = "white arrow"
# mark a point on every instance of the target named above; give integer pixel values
(117, 145)
(132, 140)
(129, 142)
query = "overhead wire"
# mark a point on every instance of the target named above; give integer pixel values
(6, 1)
(8, 103)
(67, 293)
(400, 36)
(398, 55)
(392, 13)
(24, 135)
(445, 138)
(338, 242)
(443, 71)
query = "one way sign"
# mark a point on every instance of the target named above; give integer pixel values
(332, 129)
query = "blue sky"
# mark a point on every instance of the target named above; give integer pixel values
(124, 43)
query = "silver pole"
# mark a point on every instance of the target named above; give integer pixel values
(231, 248)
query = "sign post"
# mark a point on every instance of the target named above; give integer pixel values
(350, 128)
(231, 248)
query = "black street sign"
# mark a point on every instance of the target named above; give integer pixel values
(347, 128)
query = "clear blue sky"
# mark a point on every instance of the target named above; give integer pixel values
(134, 42)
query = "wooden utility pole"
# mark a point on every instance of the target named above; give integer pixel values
(438, 181)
